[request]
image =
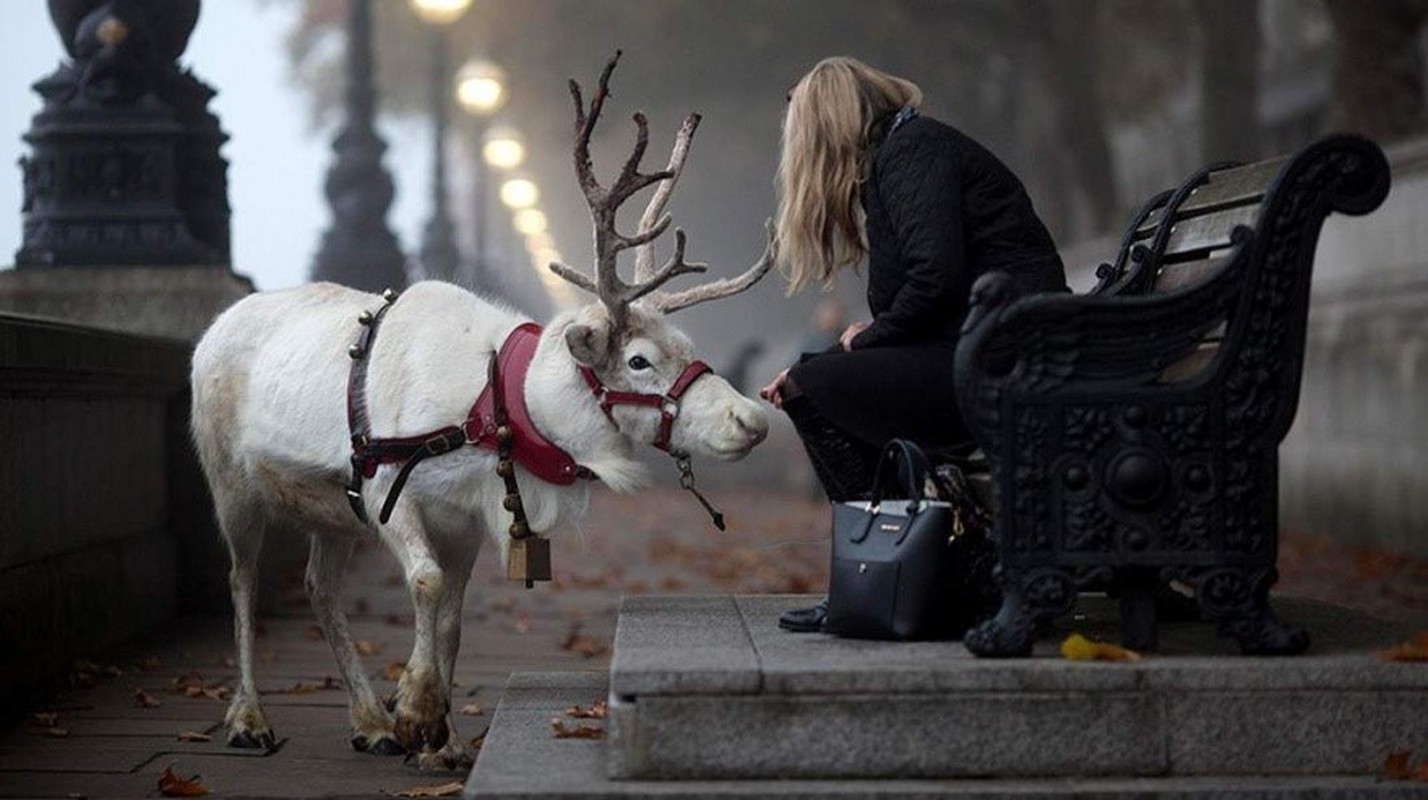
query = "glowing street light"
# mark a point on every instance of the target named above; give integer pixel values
(503, 148)
(519, 193)
(529, 221)
(480, 87)
(440, 12)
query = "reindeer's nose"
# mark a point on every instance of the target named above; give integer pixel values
(752, 423)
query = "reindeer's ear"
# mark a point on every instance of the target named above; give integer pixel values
(588, 343)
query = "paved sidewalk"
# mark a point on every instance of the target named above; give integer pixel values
(659, 542)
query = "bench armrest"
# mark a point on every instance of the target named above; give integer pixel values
(1044, 344)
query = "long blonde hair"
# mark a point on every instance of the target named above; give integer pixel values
(826, 137)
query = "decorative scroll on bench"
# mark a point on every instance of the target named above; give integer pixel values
(1134, 432)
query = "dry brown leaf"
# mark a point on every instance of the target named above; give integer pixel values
(522, 625)
(1411, 651)
(57, 732)
(394, 670)
(587, 646)
(171, 785)
(313, 634)
(560, 730)
(596, 711)
(43, 719)
(1396, 767)
(472, 710)
(367, 647)
(442, 790)
(477, 741)
(189, 680)
(328, 683)
(194, 736)
(143, 699)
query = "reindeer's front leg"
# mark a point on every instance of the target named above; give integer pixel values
(423, 698)
(448, 644)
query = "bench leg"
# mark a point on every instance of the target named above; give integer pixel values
(1238, 599)
(1029, 598)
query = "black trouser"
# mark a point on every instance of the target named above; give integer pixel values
(844, 465)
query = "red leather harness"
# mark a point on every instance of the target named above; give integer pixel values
(502, 399)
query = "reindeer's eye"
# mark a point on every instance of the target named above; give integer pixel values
(639, 362)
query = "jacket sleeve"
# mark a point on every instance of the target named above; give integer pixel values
(920, 187)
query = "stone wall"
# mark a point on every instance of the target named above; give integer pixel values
(101, 494)
(1355, 466)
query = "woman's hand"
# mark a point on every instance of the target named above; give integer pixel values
(846, 339)
(773, 393)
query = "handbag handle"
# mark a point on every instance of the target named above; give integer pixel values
(901, 457)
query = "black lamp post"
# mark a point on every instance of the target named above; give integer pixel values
(359, 249)
(439, 256)
(124, 166)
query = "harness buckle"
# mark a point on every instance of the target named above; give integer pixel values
(437, 445)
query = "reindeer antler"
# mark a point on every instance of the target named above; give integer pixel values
(605, 203)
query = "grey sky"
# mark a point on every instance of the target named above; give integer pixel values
(275, 167)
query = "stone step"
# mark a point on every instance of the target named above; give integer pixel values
(521, 760)
(709, 688)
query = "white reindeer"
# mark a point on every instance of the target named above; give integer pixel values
(269, 420)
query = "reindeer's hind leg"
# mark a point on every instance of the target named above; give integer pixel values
(242, 525)
(422, 699)
(326, 563)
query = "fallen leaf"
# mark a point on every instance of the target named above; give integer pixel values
(1078, 648)
(472, 710)
(189, 680)
(57, 732)
(1412, 651)
(328, 683)
(43, 719)
(1396, 767)
(596, 711)
(562, 731)
(394, 670)
(143, 699)
(587, 646)
(313, 634)
(171, 785)
(522, 625)
(366, 647)
(442, 790)
(477, 741)
(194, 736)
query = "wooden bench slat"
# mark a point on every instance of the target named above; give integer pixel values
(1172, 276)
(1231, 187)
(1210, 231)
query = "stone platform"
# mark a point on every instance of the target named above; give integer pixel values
(708, 698)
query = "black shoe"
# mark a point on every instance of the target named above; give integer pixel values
(805, 620)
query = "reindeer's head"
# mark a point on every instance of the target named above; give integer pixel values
(653, 387)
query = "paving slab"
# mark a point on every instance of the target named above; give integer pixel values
(522, 760)
(770, 704)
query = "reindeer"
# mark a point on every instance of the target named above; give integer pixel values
(269, 380)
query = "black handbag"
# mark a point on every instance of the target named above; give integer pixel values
(914, 562)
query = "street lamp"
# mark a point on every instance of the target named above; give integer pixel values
(439, 255)
(481, 91)
(518, 193)
(529, 221)
(503, 148)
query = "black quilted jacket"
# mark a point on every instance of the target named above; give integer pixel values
(942, 210)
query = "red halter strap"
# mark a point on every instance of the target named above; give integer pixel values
(667, 403)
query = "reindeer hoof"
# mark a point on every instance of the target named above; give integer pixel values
(447, 759)
(251, 740)
(381, 746)
(418, 736)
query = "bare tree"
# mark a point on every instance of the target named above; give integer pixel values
(1230, 47)
(1378, 84)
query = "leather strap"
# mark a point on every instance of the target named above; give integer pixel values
(667, 403)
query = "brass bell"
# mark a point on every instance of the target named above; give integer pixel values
(503, 433)
(355, 351)
(389, 295)
(512, 503)
(504, 468)
(365, 318)
(529, 560)
(520, 530)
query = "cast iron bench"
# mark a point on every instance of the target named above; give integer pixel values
(1133, 432)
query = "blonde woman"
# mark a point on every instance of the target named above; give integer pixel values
(864, 175)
